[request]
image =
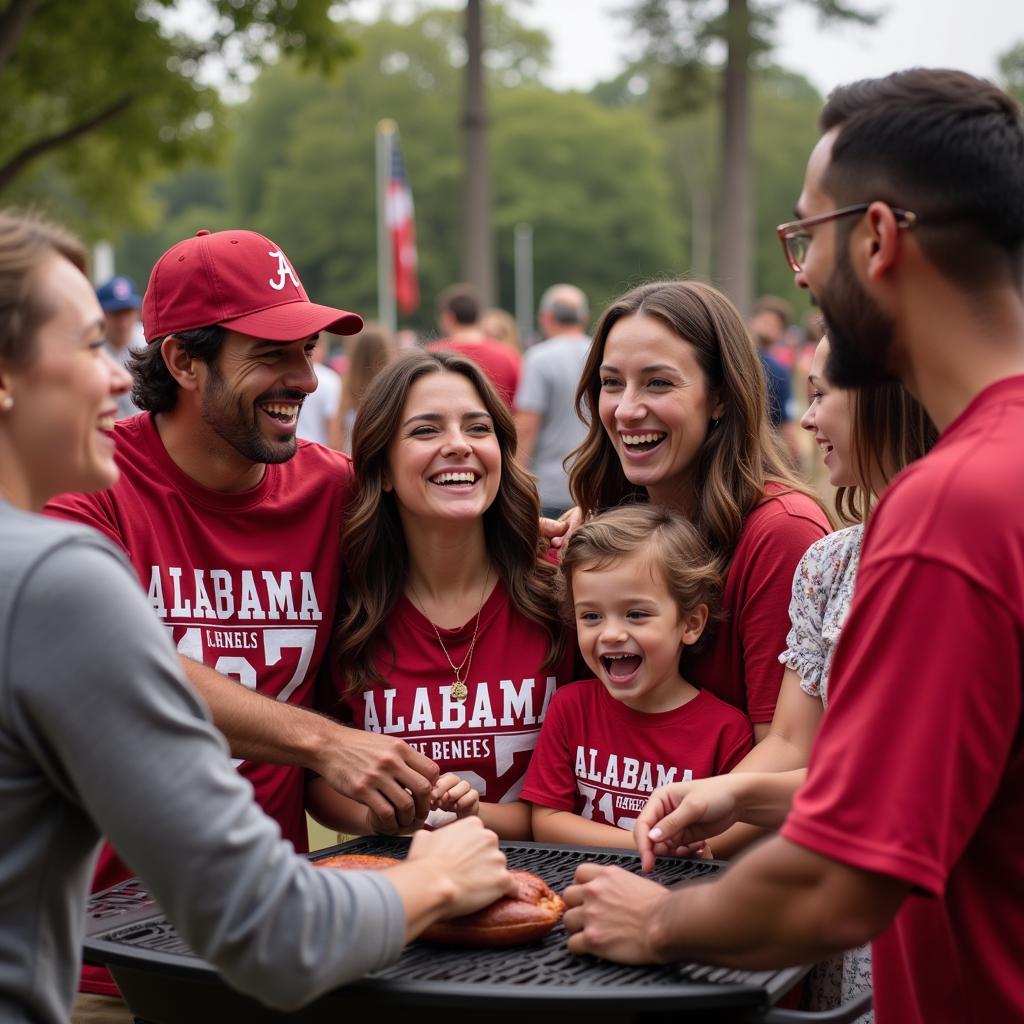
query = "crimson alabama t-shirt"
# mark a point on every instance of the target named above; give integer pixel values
(601, 759)
(488, 738)
(918, 769)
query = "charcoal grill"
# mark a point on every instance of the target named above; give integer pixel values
(165, 983)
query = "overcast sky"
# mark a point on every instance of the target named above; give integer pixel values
(590, 42)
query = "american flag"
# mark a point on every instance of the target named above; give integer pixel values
(402, 229)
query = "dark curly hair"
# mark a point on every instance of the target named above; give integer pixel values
(153, 387)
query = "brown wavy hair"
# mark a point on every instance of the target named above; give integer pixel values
(889, 429)
(739, 456)
(687, 565)
(26, 240)
(374, 555)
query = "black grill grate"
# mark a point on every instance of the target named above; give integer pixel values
(542, 965)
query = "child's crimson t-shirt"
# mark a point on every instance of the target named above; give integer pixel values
(600, 759)
(488, 738)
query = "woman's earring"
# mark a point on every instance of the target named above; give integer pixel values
(715, 420)
(7, 404)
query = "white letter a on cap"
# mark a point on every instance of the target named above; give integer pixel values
(283, 271)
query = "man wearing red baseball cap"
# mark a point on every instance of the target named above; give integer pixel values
(233, 526)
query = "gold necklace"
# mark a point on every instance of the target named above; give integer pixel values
(459, 691)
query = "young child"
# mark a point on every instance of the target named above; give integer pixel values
(640, 584)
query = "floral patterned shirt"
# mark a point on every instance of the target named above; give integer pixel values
(822, 594)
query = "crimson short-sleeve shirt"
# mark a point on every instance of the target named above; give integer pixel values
(500, 363)
(601, 760)
(740, 664)
(486, 739)
(246, 583)
(918, 769)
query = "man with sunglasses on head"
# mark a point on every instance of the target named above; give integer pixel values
(911, 240)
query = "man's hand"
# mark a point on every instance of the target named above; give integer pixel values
(685, 813)
(389, 777)
(610, 913)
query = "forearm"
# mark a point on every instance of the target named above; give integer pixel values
(775, 753)
(764, 798)
(259, 728)
(510, 820)
(779, 906)
(772, 754)
(425, 895)
(550, 826)
(334, 811)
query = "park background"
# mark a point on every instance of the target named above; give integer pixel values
(141, 121)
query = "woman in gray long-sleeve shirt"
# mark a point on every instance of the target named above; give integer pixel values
(85, 750)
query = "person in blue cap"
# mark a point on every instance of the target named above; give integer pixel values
(120, 302)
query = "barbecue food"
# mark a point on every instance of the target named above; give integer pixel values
(508, 921)
(355, 862)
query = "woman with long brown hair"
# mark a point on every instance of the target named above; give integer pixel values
(449, 634)
(675, 399)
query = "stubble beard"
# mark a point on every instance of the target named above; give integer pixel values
(859, 332)
(229, 416)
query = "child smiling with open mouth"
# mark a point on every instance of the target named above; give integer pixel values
(641, 585)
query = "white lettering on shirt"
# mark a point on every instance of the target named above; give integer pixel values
(215, 594)
(621, 772)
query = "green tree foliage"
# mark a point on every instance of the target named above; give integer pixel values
(99, 95)
(683, 36)
(592, 181)
(1011, 71)
(785, 109)
(613, 191)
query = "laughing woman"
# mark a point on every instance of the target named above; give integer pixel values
(449, 635)
(675, 398)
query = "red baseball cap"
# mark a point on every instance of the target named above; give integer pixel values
(239, 280)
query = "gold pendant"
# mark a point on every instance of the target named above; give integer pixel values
(458, 690)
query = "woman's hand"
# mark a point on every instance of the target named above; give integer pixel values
(455, 795)
(461, 866)
(557, 531)
(679, 816)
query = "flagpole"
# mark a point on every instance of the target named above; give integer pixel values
(385, 262)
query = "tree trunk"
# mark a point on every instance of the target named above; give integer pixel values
(13, 23)
(736, 253)
(477, 234)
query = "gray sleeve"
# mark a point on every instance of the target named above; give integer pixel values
(101, 700)
(532, 393)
